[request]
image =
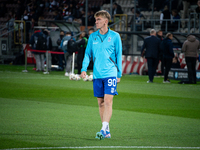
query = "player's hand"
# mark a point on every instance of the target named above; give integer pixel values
(118, 80)
(83, 74)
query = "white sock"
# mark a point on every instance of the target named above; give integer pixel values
(105, 127)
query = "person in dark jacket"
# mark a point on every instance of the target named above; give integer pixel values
(175, 21)
(168, 55)
(160, 37)
(39, 57)
(165, 25)
(191, 47)
(117, 9)
(175, 63)
(60, 57)
(68, 45)
(46, 34)
(151, 44)
(82, 43)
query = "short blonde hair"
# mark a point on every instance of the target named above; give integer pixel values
(102, 13)
(152, 31)
(168, 35)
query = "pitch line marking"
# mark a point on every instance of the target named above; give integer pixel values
(102, 147)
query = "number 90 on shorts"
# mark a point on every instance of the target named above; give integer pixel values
(105, 86)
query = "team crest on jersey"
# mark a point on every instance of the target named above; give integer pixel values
(109, 39)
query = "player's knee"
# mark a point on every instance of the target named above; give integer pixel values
(108, 102)
(100, 103)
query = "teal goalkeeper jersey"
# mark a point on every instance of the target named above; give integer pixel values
(106, 54)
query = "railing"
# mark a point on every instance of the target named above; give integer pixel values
(20, 32)
(193, 22)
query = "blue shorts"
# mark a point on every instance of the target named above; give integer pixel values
(105, 86)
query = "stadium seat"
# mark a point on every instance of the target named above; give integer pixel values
(123, 62)
(197, 65)
(135, 64)
(127, 68)
(141, 66)
(182, 60)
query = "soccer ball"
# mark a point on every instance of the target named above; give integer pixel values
(77, 77)
(90, 78)
(86, 78)
(72, 76)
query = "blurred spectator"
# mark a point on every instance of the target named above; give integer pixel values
(158, 5)
(41, 23)
(198, 8)
(90, 31)
(72, 11)
(168, 55)
(165, 15)
(143, 5)
(150, 49)
(186, 4)
(39, 57)
(57, 15)
(175, 20)
(117, 9)
(191, 47)
(139, 22)
(132, 19)
(68, 56)
(81, 5)
(20, 10)
(10, 22)
(40, 8)
(52, 6)
(160, 55)
(33, 23)
(46, 5)
(27, 19)
(91, 19)
(34, 15)
(73, 2)
(83, 17)
(60, 57)
(175, 63)
(68, 12)
(3, 10)
(49, 47)
(82, 43)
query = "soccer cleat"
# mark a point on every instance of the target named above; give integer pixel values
(167, 81)
(107, 135)
(67, 74)
(100, 135)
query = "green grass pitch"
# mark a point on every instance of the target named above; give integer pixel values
(52, 112)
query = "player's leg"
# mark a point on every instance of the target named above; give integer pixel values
(101, 135)
(110, 86)
(108, 101)
(101, 107)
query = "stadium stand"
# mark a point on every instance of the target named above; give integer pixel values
(132, 40)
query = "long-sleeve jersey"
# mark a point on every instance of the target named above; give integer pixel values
(106, 54)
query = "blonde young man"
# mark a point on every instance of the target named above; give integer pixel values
(105, 48)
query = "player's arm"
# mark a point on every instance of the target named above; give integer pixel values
(118, 46)
(143, 48)
(87, 58)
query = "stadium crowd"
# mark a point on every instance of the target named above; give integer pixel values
(34, 11)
